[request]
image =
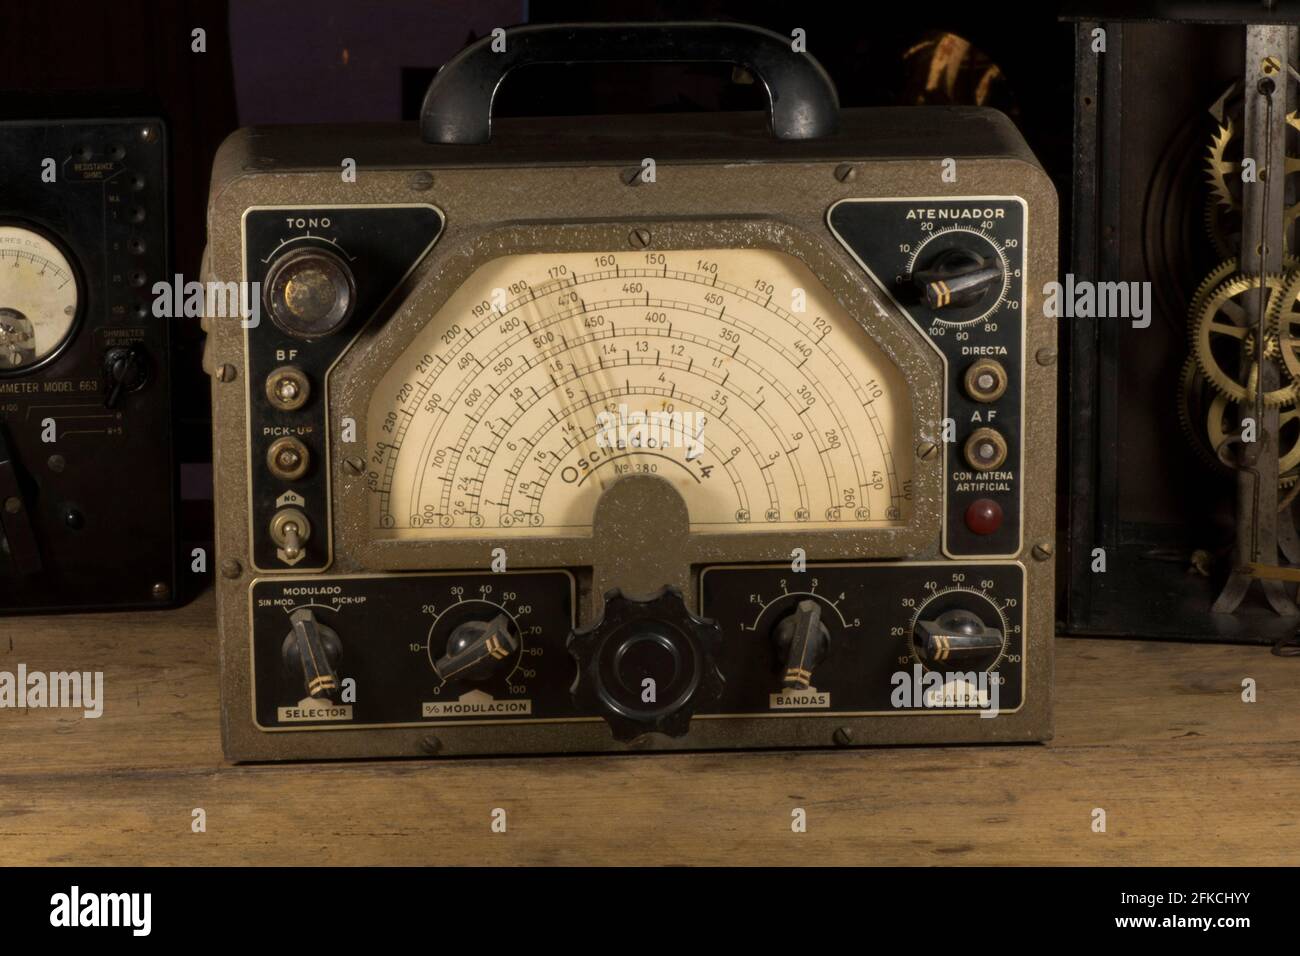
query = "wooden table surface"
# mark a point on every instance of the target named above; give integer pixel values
(1157, 735)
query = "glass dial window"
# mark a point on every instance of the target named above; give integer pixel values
(733, 374)
(38, 297)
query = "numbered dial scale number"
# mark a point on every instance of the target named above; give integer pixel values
(732, 373)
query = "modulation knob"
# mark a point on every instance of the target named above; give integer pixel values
(476, 649)
(647, 665)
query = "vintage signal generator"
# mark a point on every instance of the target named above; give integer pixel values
(87, 473)
(598, 433)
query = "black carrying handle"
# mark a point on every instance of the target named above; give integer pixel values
(457, 108)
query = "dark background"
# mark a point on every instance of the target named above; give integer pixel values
(296, 61)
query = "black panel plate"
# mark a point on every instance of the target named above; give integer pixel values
(381, 244)
(392, 627)
(883, 235)
(868, 610)
(107, 209)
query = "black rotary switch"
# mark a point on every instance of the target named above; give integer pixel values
(646, 666)
(958, 638)
(126, 369)
(309, 292)
(803, 640)
(476, 649)
(311, 654)
(957, 277)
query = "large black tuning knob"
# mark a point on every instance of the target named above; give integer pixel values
(476, 648)
(310, 292)
(311, 654)
(957, 277)
(803, 639)
(646, 666)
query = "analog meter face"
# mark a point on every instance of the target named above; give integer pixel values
(38, 297)
(733, 374)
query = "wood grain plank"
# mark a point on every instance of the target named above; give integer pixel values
(1155, 734)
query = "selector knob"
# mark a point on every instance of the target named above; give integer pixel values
(309, 292)
(957, 637)
(476, 648)
(126, 369)
(957, 277)
(804, 640)
(311, 653)
(646, 666)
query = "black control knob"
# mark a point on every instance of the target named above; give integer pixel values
(803, 639)
(957, 638)
(957, 277)
(126, 369)
(311, 653)
(646, 666)
(476, 649)
(309, 292)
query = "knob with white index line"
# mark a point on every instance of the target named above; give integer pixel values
(958, 638)
(311, 653)
(476, 649)
(804, 640)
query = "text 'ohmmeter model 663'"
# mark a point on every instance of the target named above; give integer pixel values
(597, 433)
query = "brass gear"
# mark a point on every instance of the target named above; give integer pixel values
(1202, 422)
(1214, 323)
(1225, 270)
(1220, 274)
(1222, 172)
(1222, 225)
(1192, 409)
(1285, 317)
(1288, 460)
(1217, 168)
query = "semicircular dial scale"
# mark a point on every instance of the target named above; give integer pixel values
(734, 374)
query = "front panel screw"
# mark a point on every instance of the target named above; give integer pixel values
(160, 591)
(420, 182)
(927, 451)
(1042, 551)
(1046, 356)
(354, 466)
(846, 172)
(842, 736)
(230, 568)
(226, 373)
(639, 238)
(431, 745)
